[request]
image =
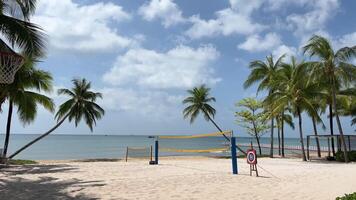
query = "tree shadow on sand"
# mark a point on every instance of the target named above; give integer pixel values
(45, 188)
(36, 169)
(14, 187)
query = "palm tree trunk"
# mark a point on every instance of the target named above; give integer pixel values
(223, 134)
(272, 129)
(8, 128)
(39, 137)
(301, 134)
(316, 134)
(331, 128)
(279, 137)
(282, 136)
(343, 144)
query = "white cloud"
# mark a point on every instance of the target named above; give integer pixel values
(347, 40)
(145, 103)
(233, 20)
(180, 67)
(255, 43)
(283, 49)
(72, 26)
(315, 19)
(166, 10)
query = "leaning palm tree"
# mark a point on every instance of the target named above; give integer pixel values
(199, 102)
(265, 73)
(16, 28)
(295, 93)
(23, 94)
(80, 105)
(336, 68)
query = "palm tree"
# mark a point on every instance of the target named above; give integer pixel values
(347, 103)
(80, 105)
(22, 94)
(295, 93)
(264, 73)
(336, 69)
(18, 30)
(282, 118)
(198, 102)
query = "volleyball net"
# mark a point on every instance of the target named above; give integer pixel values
(138, 152)
(207, 143)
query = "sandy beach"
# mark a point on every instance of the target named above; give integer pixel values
(177, 178)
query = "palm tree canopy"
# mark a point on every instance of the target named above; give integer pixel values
(16, 28)
(263, 72)
(25, 91)
(197, 102)
(332, 66)
(81, 104)
(296, 90)
(18, 8)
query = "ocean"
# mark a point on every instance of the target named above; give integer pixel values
(58, 147)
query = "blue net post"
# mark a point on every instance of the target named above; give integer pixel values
(156, 152)
(233, 155)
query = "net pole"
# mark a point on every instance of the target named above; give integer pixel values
(127, 152)
(156, 151)
(233, 155)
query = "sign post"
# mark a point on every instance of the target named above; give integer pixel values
(252, 160)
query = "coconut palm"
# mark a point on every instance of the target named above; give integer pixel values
(295, 93)
(23, 94)
(335, 67)
(264, 73)
(16, 28)
(347, 103)
(199, 102)
(283, 118)
(80, 105)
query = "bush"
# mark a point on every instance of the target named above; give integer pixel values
(340, 156)
(21, 162)
(347, 197)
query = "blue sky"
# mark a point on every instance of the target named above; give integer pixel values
(144, 55)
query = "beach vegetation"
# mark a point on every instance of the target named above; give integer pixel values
(347, 197)
(198, 102)
(295, 91)
(335, 68)
(21, 162)
(252, 118)
(264, 72)
(25, 94)
(340, 156)
(325, 83)
(81, 105)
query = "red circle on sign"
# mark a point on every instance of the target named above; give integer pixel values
(251, 157)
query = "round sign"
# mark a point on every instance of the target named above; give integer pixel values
(251, 157)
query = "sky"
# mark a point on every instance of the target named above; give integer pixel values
(143, 55)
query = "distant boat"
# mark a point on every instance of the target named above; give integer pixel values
(151, 136)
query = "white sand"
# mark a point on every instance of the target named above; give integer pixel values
(178, 178)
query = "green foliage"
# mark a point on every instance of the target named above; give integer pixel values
(263, 72)
(340, 156)
(197, 102)
(347, 197)
(251, 117)
(22, 162)
(25, 91)
(81, 104)
(16, 28)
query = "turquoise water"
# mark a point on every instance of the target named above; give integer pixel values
(100, 146)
